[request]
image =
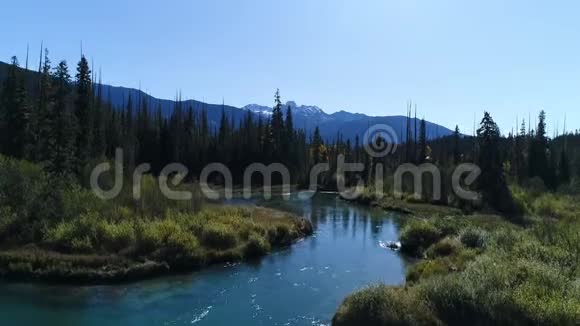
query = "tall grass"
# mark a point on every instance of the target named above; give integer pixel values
(55, 217)
(485, 271)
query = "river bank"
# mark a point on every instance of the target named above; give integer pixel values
(301, 284)
(480, 268)
(150, 248)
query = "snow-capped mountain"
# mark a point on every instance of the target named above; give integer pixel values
(311, 111)
(348, 124)
(258, 109)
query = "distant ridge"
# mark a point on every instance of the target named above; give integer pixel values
(307, 117)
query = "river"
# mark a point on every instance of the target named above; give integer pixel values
(300, 285)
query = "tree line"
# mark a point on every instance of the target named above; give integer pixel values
(67, 125)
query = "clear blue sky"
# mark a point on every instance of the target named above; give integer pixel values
(453, 58)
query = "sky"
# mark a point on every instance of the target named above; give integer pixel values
(453, 59)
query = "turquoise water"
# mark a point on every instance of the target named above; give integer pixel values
(301, 285)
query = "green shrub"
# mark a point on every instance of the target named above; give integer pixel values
(154, 234)
(445, 247)
(427, 268)
(474, 238)
(219, 236)
(382, 305)
(503, 290)
(448, 226)
(418, 235)
(116, 236)
(182, 243)
(77, 201)
(547, 205)
(257, 246)
(280, 234)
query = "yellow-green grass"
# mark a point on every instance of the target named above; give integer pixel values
(96, 248)
(482, 270)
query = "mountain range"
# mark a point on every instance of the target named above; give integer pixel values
(307, 117)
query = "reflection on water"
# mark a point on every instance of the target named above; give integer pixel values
(301, 285)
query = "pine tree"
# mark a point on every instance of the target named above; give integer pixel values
(223, 130)
(537, 157)
(113, 130)
(98, 129)
(422, 141)
(15, 113)
(267, 142)
(317, 144)
(408, 142)
(492, 181)
(289, 125)
(204, 137)
(456, 149)
(64, 130)
(45, 113)
(128, 143)
(356, 149)
(519, 156)
(158, 158)
(260, 139)
(288, 144)
(83, 112)
(277, 125)
(223, 137)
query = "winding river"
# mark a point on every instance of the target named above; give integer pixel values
(301, 285)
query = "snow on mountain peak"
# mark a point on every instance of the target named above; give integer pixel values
(307, 110)
(259, 109)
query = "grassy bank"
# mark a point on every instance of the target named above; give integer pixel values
(51, 229)
(483, 270)
(94, 249)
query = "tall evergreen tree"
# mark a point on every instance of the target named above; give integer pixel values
(456, 149)
(15, 113)
(289, 124)
(98, 130)
(422, 141)
(492, 181)
(83, 112)
(408, 141)
(288, 145)
(223, 137)
(538, 152)
(519, 156)
(64, 130)
(128, 143)
(45, 113)
(317, 145)
(277, 124)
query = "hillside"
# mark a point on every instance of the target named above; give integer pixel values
(305, 116)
